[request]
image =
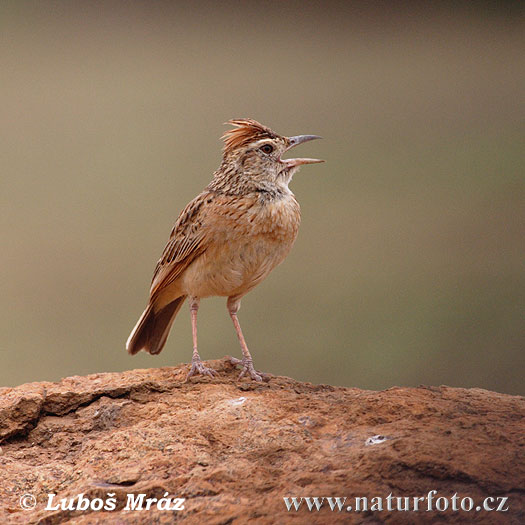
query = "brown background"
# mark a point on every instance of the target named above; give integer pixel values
(409, 267)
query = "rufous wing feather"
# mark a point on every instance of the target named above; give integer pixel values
(187, 241)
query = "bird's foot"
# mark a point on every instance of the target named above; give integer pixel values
(197, 367)
(247, 368)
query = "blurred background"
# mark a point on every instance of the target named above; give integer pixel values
(410, 263)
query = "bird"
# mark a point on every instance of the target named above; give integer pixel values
(227, 239)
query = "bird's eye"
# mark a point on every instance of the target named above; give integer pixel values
(267, 148)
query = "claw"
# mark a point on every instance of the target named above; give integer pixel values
(198, 368)
(247, 368)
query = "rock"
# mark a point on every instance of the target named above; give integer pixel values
(234, 449)
(20, 408)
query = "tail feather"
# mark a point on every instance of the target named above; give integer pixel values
(153, 327)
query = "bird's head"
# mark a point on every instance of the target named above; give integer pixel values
(257, 152)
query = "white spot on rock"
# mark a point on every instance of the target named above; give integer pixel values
(375, 440)
(238, 401)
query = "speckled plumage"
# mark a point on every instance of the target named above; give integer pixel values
(227, 239)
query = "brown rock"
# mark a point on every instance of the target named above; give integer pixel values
(234, 449)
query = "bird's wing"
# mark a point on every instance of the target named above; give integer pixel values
(187, 241)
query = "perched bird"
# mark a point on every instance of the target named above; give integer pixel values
(227, 239)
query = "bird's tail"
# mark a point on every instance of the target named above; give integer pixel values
(152, 329)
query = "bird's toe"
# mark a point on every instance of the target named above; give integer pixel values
(198, 368)
(248, 369)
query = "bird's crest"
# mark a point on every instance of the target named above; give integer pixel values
(246, 130)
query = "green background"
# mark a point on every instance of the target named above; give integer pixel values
(409, 266)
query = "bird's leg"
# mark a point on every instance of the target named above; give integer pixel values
(197, 367)
(246, 362)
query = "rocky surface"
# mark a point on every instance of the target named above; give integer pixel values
(234, 449)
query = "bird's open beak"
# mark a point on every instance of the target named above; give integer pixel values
(295, 141)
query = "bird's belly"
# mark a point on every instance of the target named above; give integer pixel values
(233, 268)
